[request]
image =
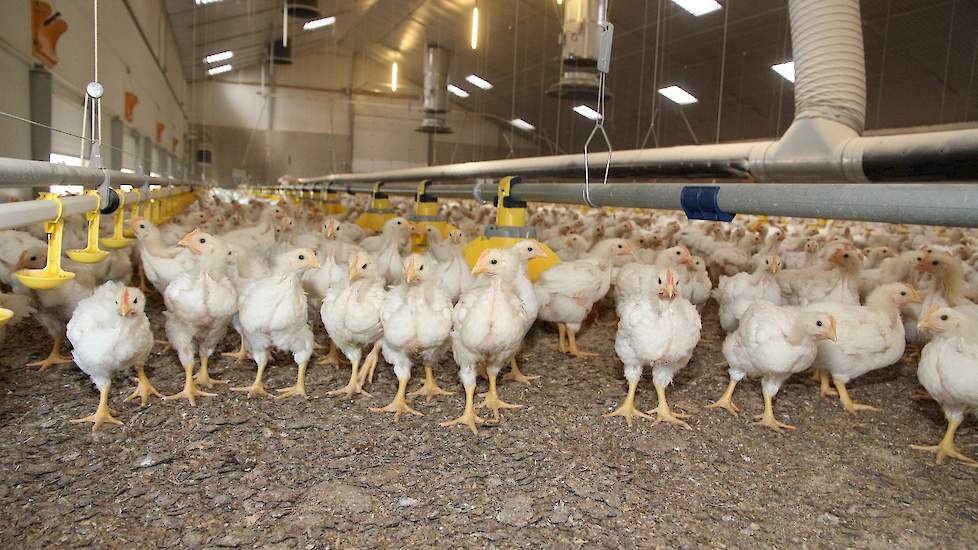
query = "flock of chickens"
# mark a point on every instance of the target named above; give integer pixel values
(839, 299)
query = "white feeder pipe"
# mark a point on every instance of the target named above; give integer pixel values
(38, 173)
(21, 213)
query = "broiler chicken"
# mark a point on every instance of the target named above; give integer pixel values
(835, 281)
(273, 312)
(161, 263)
(735, 294)
(110, 332)
(454, 275)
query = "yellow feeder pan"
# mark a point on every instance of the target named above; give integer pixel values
(5, 315)
(51, 276)
(118, 239)
(133, 214)
(426, 215)
(509, 229)
(91, 254)
(379, 212)
(332, 205)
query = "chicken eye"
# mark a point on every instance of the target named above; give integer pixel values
(934, 262)
(421, 268)
(845, 255)
(135, 300)
(302, 256)
(818, 323)
(766, 262)
(364, 266)
(903, 293)
(943, 317)
(33, 258)
(141, 226)
(398, 223)
(202, 241)
(494, 262)
(660, 280)
(529, 249)
(678, 253)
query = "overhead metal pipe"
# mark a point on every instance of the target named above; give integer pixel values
(21, 213)
(33, 173)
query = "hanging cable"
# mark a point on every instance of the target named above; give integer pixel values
(606, 33)
(723, 67)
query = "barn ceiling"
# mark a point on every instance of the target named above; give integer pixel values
(920, 60)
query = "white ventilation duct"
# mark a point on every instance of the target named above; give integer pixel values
(435, 100)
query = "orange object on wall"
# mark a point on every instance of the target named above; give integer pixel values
(131, 100)
(174, 146)
(159, 131)
(46, 29)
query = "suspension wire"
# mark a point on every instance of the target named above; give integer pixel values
(512, 103)
(723, 67)
(780, 99)
(655, 78)
(947, 60)
(599, 121)
(971, 77)
(886, 37)
(641, 73)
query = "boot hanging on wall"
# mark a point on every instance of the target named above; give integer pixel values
(159, 131)
(46, 29)
(131, 100)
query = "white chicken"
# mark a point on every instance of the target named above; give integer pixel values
(273, 312)
(661, 331)
(417, 320)
(110, 332)
(735, 294)
(836, 281)
(161, 263)
(454, 274)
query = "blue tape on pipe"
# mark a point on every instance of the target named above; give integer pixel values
(700, 203)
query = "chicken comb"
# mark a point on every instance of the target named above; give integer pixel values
(125, 295)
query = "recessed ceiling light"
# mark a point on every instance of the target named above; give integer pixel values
(457, 91)
(318, 23)
(222, 56)
(219, 69)
(787, 70)
(476, 80)
(205, 2)
(522, 124)
(678, 95)
(587, 112)
(698, 7)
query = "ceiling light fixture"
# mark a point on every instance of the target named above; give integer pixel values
(587, 112)
(318, 23)
(205, 2)
(457, 91)
(787, 70)
(222, 56)
(478, 81)
(475, 27)
(698, 7)
(219, 69)
(678, 95)
(522, 124)
(394, 76)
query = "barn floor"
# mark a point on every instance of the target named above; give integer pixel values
(329, 473)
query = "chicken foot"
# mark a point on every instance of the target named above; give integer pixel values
(332, 358)
(561, 337)
(144, 388)
(947, 448)
(190, 390)
(203, 377)
(399, 405)
(299, 389)
(53, 358)
(726, 400)
(768, 419)
(103, 414)
(517, 375)
(354, 386)
(851, 406)
(165, 343)
(242, 352)
(824, 386)
(628, 410)
(257, 387)
(493, 401)
(370, 364)
(572, 336)
(469, 418)
(430, 388)
(663, 413)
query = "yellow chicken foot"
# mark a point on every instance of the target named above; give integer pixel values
(332, 358)
(102, 414)
(165, 344)
(851, 406)
(767, 419)
(517, 375)
(316, 346)
(203, 378)
(726, 400)
(257, 387)
(190, 390)
(572, 336)
(493, 401)
(242, 352)
(144, 388)
(663, 413)
(299, 389)
(53, 358)
(628, 408)
(816, 375)
(370, 364)
(142, 279)
(561, 337)
(824, 388)
(921, 395)
(353, 387)
(430, 387)
(399, 405)
(469, 418)
(947, 448)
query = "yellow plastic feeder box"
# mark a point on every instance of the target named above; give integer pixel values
(426, 215)
(51, 276)
(509, 229)
(379, 212)
(332, 205)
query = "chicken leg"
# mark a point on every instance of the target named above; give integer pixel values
(561, 337)
(663, 413)
(354, 386)
(517, 375)
(144, 388)
(242, 352)
(203, 378)
(190, 390)
(430, 387)
(493, 401)
(469, 418)
(332, 358)
(53, 358)
(299, 389)
(851, 406)
(572, 336)
(399, 405)
(824, 385)
(258, 386)
(628, 408)
(947, 448)
(726, 400)
(102, 414)
(767, 419)
(370, 364)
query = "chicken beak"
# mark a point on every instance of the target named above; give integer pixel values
(22, 262)
(775, 264)
(538, 251)
(829, 332)
(627, 249)
(190, 241)
(927, 321)
(411, 272)
(331, 231)
(914, 296)
(355, 272)
(669, 291)
(313, 262)
(124, 307)
(482, 264)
